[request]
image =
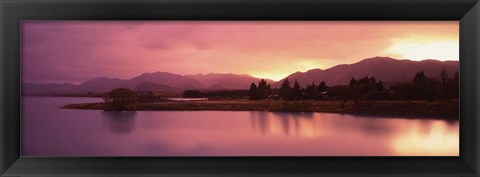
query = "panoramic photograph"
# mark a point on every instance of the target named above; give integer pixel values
(240, 88)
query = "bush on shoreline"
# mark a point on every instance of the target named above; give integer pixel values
(121, 99)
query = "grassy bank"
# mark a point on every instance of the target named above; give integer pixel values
(442, 109)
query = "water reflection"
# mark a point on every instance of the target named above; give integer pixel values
(421, 139)
(283, 123)
(122, 122)
(225, 133)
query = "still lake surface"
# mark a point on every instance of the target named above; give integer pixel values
(48, 130)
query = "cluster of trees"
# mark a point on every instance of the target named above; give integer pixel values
(263, 90)
(427, 88)
(365, 88)
(120, 99)
(312, 91)
(286, 91)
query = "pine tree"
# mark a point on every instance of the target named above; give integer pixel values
(262, 89)
(310, 91)
(269, 90)
(444, 76)
(322, 87)
(253, 92)
(286, 90)
(380, 86)
(353, 82)
(419, 77)
(296, 92)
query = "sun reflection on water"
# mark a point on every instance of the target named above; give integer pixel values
(285, 124)
(440, 140)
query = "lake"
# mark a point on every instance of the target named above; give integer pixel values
(48, 130)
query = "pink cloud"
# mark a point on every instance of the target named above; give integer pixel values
(56, 51)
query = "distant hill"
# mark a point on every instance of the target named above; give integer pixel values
(164, 78)
(148, 86)
(382, 68)
(217, 81)
(96, 85)
(157, 82)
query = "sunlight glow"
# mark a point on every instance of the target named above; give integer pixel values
(272, 76)
(439, 140)
(426, 49)
(298, 65)
(305, 65)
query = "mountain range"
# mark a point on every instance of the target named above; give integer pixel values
(382, 68)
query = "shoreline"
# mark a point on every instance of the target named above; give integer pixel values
(440, 109)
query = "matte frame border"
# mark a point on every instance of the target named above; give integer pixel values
(12, 12)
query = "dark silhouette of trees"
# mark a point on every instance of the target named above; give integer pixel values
(146, 96)
(286, 90)
(420, 76)
(451, 87)
(365, 88)
(296, 91)
(339, 92)
(263, 90)
(193, 94)
(269, 90)
(424, 88)
(310, 92)
(380, 86)
(353, 82)
(322, 87)
(253, 92)
(120, 99)
(444, 76)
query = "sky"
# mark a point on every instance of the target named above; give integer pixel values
(76, 51)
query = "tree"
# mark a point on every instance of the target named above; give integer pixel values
(353, 82)
(322, 87)
(296, 92)
(419, 77)
(262, 90)
(253, 92)
(444, 76)
(193, 94)
(380, 86)
(286, 90)
(310, 91)
(120, 99)
(269, 90)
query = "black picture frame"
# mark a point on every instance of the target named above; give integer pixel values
(14, 11)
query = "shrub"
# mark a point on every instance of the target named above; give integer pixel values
(120, 99)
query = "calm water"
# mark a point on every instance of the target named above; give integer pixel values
(51, 131)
